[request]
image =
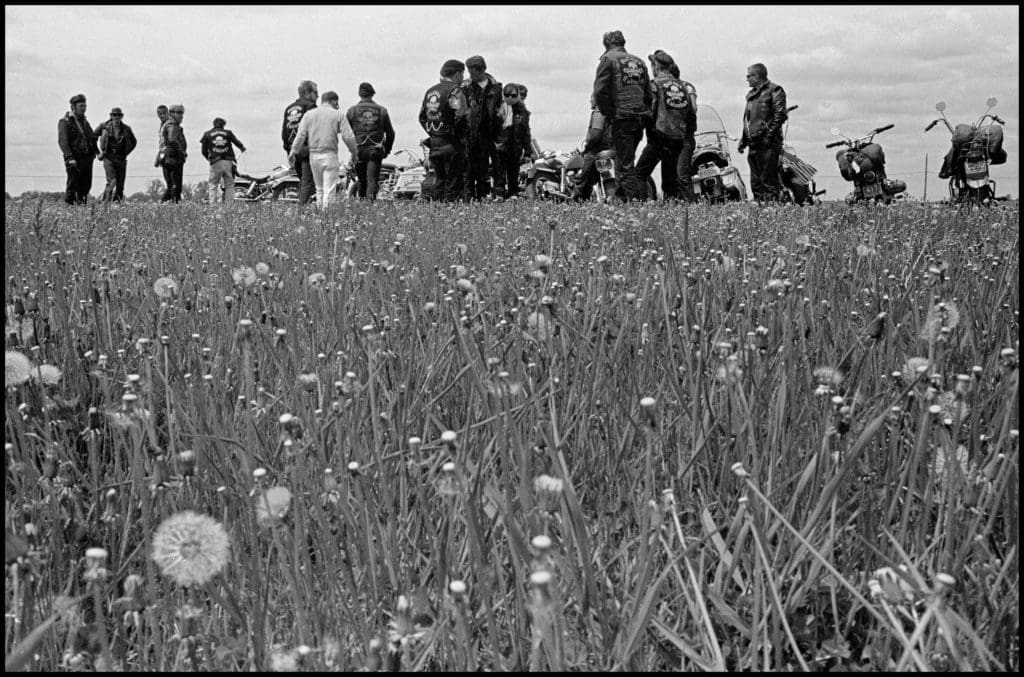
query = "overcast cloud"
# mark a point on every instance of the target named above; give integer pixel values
(852, 67)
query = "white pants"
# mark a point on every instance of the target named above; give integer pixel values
(325, 167)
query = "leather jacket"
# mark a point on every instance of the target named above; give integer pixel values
(622, 85)
(764, 115)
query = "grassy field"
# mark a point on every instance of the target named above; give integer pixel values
(512, 436)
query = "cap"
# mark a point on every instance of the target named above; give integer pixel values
(661, 57)
(614, 38)
(476, 61)
(77, 98)
(116, 111)
(451, 67)
(366, 89)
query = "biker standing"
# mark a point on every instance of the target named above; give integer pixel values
(763, 118)
(375, 137)
(670, 131)
(622, 92)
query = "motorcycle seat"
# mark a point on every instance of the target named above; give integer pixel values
(254, 179)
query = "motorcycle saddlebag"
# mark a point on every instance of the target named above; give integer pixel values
(874, 153)
(992, 136)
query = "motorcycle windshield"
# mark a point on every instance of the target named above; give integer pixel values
(710, 128)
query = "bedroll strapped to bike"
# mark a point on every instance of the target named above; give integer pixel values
(988, 138)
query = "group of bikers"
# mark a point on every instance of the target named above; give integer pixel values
(478, 134)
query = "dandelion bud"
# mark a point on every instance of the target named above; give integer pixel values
(647, 410)
(542, 543)
(244, 333)
(549, 491)
(458, 590)
(187, 462)
(934, 410)
(414, 443)
(971, 494)
(353, 468)
(541, 579)
(259, 473)
(96, 555)
(229, 300)
(449, 437)
(944, 581)
(739, 470)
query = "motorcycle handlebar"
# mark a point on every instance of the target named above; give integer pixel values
(929, 127)
(882, 129)
(998, 119)
(834, 144)
(792, 108)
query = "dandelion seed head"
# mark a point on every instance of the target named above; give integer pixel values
(165, 287)
(244, 276)
(190, 548)
(913, 367)
(317, 280)
(273, 504)
(282, 660)
(17, 368)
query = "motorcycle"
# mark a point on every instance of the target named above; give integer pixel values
(282, 183)
(863, 162)
(796, 176)
(398, 180)
(974, 148)
(715, 178)
(554, 176)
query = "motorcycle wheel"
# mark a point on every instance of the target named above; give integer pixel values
(609, 190)
(800, 194)
(539, 187)
(285, 192)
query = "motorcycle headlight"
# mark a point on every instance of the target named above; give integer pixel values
(869, 176)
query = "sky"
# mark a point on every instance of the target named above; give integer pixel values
(851, 67)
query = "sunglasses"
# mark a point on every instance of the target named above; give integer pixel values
(118, 115)
(511, 96)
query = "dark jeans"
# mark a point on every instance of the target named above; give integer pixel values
(79, 180)
(307, 189)
(588, 176)
(448, 166)
(116, 169)
(626, 134)
(675, 156)
(506, 173)
(174, 173)
(368, 170)
(477, 179)
(764, 171)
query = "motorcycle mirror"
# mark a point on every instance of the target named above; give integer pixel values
(992, 101)
(834, 131)
(940, 106)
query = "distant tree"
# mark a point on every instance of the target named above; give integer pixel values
(155, 190)
(47, 196)
(7, 196)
